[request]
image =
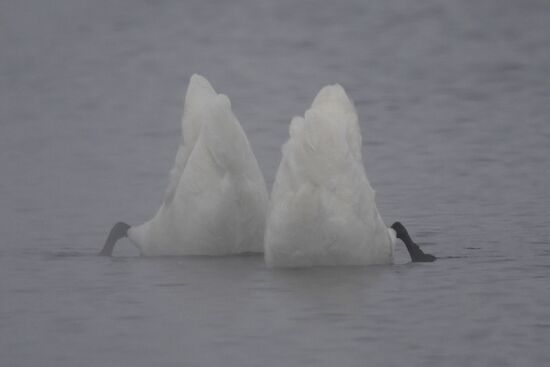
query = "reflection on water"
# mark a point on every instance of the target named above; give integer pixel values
(454, 104)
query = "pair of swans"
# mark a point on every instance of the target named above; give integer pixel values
(322, 209)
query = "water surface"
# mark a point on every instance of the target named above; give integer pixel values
(454, 103)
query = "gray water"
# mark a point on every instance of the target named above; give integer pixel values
(454, 102)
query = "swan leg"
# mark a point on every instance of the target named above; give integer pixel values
(417, 255)
(118, 231)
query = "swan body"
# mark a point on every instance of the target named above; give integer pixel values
(323, 209)
(216, 200)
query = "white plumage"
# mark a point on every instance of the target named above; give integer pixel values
(216, 200)
(323, 209)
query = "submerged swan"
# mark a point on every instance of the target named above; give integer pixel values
(216, 199)
(323, 209)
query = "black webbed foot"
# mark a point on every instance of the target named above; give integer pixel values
(118, 231)
(417, 255)
(423, 258)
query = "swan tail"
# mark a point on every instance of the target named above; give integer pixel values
(326, 143)
(226, 141)
(333, 101)
(198, 98)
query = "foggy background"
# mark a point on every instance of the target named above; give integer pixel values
(454, 104)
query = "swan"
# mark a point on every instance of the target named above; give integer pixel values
(322, 209)
(216, 200)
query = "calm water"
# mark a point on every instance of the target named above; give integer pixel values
(454, 101)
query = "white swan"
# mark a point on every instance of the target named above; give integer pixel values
(323, 209)
(216, 199)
